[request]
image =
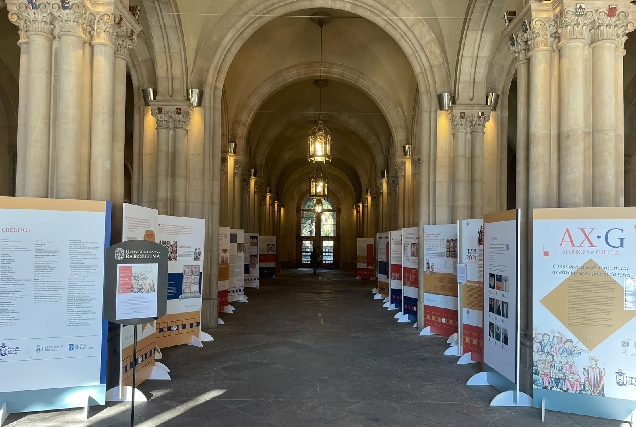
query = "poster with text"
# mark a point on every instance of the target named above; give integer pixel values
(500, 270)
(184, 238)
(224, 267)
(251, 263)
(471, 254)
(237, 284)
(267, 256)
(410, 257)
(382, 242)
(52, 334)
(395, 269)
(584, 291)
(440, 279)
(365, 258)
(139, 223)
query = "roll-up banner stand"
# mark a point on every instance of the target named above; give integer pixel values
(384, 287)
(395, 271)
(470, 279)
(224, 270)
(43, 243)
(251, 264)
(184, 238)
(584, 311)
(440, 281)
(365, 258)
(237, 286)
(410, 257)
(267, 256)
(502, 254)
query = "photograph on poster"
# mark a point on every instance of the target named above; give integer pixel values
(197, 254)
(136, 291)
(271, 248)
(630, 293)
(491, 330)
(491, 281)
(415, 250)
(491, 305)
(173, 247)
(254, 240)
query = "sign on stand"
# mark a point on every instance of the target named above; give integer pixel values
(267, 256)
(440, 281)
(584, 311)
(251, 267)
(365, 258)
(395, 271)
(501, 322)
(237, 277)
(224, 270)
(410, 258)
(384, 287)
(135, 291)
(52, 334)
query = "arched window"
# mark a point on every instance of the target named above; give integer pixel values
(318, 229)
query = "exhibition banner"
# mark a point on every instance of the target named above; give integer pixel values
(52, 334)
(267, 256)
(251, 264)
(395, 270)
(440, 279)
(224, 267)
(584, 310)
(501, 252)
(382, 243)
(237, 247)
(471, 288)
(365, 266)
(410, 257)
(184, 238)
(139, 223)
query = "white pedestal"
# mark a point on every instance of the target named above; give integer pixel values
(195, 342)
(3, 413)
(377, 296)
(452, 351)
(506, 398)
(228, 310)
(452, 340)
(397, 315)
(392, 307)
(160, 365)
(404, 319)
(205, 337)
(386, 305)
(426, 332)
(375, 290)
(159, 374)
(221, 322)
(115, 395)
(466, 359)
(415, 325)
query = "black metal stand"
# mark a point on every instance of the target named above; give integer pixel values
(134, 371)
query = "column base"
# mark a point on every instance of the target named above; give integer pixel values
(209, 313)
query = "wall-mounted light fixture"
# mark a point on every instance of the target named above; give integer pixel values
(195, 96)
(150, 95)
(384, 174)
(407, 150)
(368, 191)
(509, 16)
(253, 172)
(492, 99)
(269, 191)
(444, 101)
(232, 148)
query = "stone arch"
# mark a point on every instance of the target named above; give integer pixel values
(501, 68)
(219, 47)
(394, 115)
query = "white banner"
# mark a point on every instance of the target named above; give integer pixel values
(395, 269)
(237, 247)
(410, 258)
(251, 271)
(365, 258)
(471, 288)
(382, 242)
(224, 266)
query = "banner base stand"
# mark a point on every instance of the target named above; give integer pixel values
(386, 305)
(195, 342)
(162, 366)
(393, 307)
(543, 412)
(466, 359)
(205, 337)
(231, 307)
(426, 332)
(507, 398)
(452, 340)
(397, 315)
(404, 319)
(114, 395)
(158, 355)
(387, 299)
(377, 296)
(374, 291)
(452, 351)
(221, 322)
(242, 299)
(3, 413)
(415, 325)
(159, 374)
(227, 310)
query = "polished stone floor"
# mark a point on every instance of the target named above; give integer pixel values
(313, 351)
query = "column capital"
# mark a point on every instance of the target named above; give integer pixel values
(611, 28)
(460, 121)
(124, 36)
(224, 162)
(239, 165)
(180, 116)
(478, 122)
(415, 165)
(102, 28)
(31, 16)
(541, 33)
(573, 24)
(518, 45)
(162, 117)
(393, 186)
(71, 17)
(258, 183)
(400, 165)
(378, 183)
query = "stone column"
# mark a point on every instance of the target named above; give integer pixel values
(520, 49)
(400, 167)
(461, 207)
(572, 48)
(620, 120)
(477, 126)
(224, 217)
(239, 163)
(380, 209)
(162, 117)
(392, 205)
(102, 107)
(181, 119)
(35, 136)
(22, 112)
(258, 186)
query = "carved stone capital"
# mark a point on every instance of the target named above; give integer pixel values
(31, 16)
(71, 17)
(103, 28)
(180, 117)
(518, 45)
(478, 122)
(460, 122)
(393, 186)
(162, 117)
(239, 165)
(258, 184)
(400, 166)
(124, 36)
(571, 25)
(224, 163)
(541, 33)
(613, 29)
(378, 183)
(415, 165)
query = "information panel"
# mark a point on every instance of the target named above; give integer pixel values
(52, 335)
(267, 256)
(237, 284)
(184, 238)
(395, 270)
(251, 263)
(224, 267)
(440, 279)
(500, 270)
(410, 257)
(471, 255)
(382, 242)
(584, 306)
(365, 258)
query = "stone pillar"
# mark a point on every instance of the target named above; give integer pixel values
(502, 153)
(416, 204)
(162, 117)
(22, 113)
(224, 217)
(85, 140)
(491, 163)
(258, 186)
(181, 119)
(400, 167)
(392, 205)
(380, 209)
(572, 48)
(477, 124)
(239, 163)
(461, 206)
(521, 50)
(620, 120)
(604, 111)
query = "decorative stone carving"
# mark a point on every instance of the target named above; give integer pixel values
(541, 33)
(31, 16)
(519, 45)
(375, 201)
(572, 26)
(224, 163)
(162, 117)
(614, 28)
(378, 183)
(415, 165)
(124, 37)
(239, 164)
(478, 122)
(393, 186)
(103, 28)
(71, 17)
(460, 122)
(180, 117)
(400, 166)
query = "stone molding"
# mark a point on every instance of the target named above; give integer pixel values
(171, 117)
(393, 186)
(161, 116)
(604, 28)
(541, 34)
(415, 165)
(180, 117)
(224, 163)
(124, 37)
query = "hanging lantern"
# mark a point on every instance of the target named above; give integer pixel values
(318, 184)
(318, 206)
(319, 144)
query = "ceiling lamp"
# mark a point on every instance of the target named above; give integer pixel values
(318, 206)
(320, 138)
(318, 184)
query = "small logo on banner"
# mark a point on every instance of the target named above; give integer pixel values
(119, 254)
(6, 351)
